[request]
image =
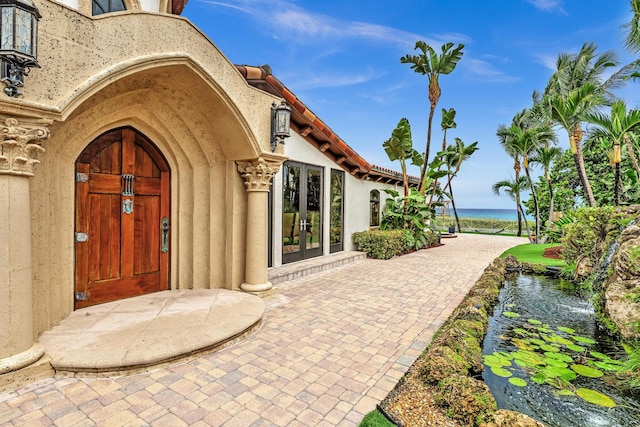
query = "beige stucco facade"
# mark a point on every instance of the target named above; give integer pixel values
(158, 74)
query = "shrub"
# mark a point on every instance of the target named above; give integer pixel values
(381, 244)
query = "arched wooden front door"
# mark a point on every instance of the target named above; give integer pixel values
(122, 219)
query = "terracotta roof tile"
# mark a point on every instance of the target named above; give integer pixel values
(262, 78)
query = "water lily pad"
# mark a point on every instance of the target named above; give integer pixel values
(521, 362)
(537, 341)
(518, 382)
(543, 329)
(550, 348)
(565, 393)
(520, 331)
(534, 322)
(583, 340)
(496, 361)
(557, 339)
(574, 347)
(567, 330)
(559, 356)
(587, 371)
(555, 362)
(595, 397)
(558, 372)
(606, 366)
(510, 314)
(603, 357)
(500, 372)
(539, 378)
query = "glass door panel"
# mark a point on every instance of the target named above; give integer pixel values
(301, 212)
(291, 210)
(336, 211)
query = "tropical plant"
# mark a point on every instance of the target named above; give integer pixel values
(523, 140)
(545, 156)
(409, 213)
(399, 147)
(513, 189)
(448, 122)
(577, 87)
(428, 62)
(453, 156)
(632, 29)
(613, 130)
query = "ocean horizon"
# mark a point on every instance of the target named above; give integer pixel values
(498, 214)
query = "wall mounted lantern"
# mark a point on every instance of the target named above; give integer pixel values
(280, 124)
(18, 42)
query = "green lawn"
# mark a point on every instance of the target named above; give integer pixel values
(533, 254)
(375, 419)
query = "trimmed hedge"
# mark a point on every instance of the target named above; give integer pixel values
(381, 244)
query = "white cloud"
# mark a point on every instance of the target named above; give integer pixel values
(299, 25)
(548, 5)
(547, 60)
(484, 71)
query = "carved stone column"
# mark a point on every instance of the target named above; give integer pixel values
(257, 175)
(18, 150)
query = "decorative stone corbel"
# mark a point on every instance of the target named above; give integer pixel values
(19, 146)
(257, 174)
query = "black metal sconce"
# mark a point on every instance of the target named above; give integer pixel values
(280, 124)
(18, 42)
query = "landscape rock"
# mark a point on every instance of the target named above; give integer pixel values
(506, 418)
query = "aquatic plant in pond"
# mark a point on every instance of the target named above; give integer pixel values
(544, 356)
(548, 355)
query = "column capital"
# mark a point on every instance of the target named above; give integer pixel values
(19, 145)
(258, 173)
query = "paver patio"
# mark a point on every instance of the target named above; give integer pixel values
(331, 347)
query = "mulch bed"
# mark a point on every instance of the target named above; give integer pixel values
(553, 253)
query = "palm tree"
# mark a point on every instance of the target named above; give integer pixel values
(453, 156)
(577, 87)
(448, 122)
(521, 119)
(429, 63)
(513, 190)
(567, 112)
(545, 156)
(632, 41)
(614, 129)
(525, 141)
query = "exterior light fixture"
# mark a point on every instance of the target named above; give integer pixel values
(18, 42)
(280, 123)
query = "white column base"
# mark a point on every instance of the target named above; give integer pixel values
(21, 360)
(248, 287)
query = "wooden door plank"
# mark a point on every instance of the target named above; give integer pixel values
(82, 226)
(147, 186)
(165, 203)
(105, 184)
(94, 237)
(114, 255)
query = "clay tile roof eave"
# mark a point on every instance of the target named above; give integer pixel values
(279, 89)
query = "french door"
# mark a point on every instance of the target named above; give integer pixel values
(122, 219)
(302, 211)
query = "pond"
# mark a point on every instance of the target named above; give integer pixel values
(546, 357)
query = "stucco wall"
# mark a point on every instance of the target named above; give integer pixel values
(160, 75)
(356, 196)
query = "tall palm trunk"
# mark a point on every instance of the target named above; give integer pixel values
(617, 184)
(455, 212)
(426, 156)
(632, 155)
(582, 174)
(516, 169)
(535, 202)
(526, 223)
(551, 207)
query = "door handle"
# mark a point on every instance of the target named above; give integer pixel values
(164, 227)
(303, 224)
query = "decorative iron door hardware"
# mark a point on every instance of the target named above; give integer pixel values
(82, 237)
(127, 206)
(81, 296)
(82, 177)
(303, 224)
(164, 227)
(127, 184)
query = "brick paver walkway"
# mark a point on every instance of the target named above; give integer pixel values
(331, 347)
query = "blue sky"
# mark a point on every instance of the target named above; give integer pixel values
(342, 59)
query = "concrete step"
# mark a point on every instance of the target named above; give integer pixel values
(311, 266)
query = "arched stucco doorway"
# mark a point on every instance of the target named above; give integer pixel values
(122, 219)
